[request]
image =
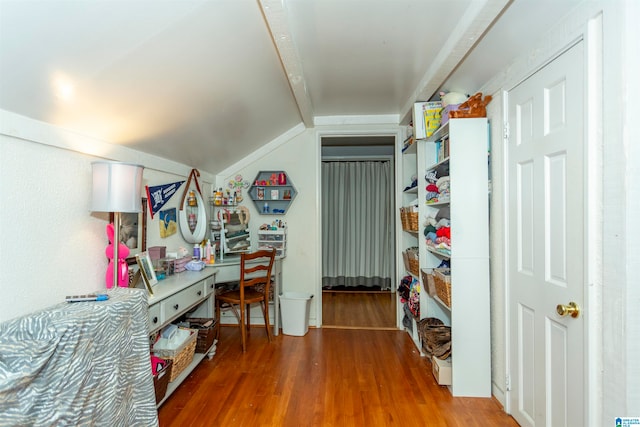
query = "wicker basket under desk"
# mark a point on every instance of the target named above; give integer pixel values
(181, 356)
(206, 334)
(161, 381)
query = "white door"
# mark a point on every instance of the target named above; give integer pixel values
(546, 167)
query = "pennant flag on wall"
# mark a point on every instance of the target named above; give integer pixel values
(158, 195)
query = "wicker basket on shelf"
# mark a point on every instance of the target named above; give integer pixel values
(435, 337)
(413, 261)
(412, 219)
(428, 281)
(403, 218)
(181, 356)
(442, 280)
(405, 258)
(161, 381)
(409, 219)
(206, 328)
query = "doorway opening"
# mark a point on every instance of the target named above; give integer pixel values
(358, 231)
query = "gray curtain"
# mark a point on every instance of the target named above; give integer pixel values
(357, 233)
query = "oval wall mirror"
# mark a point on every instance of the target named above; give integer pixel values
(193, 218)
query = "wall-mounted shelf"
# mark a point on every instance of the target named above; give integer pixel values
(272, 192)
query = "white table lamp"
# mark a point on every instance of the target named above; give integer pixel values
(116, 188)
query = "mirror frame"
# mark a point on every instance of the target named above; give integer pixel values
(198, 234)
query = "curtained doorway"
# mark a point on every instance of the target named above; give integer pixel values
(358, 234)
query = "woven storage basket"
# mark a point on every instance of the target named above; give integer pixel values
(409, 219)
(161, 381)
(414, 266)
(443, 285)
(181, 356)
(405, 258)
(206, 334)
(412, 219)
(429, 281)
(435, 337)
(403, 218)
(414, 262)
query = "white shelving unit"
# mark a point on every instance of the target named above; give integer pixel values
(469, 314)
(408, 238)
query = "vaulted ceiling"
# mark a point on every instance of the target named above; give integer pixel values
(206, 82)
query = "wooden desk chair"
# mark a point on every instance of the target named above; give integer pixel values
(255, 281)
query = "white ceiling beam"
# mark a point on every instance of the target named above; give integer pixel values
(276, 19)
(471, 27)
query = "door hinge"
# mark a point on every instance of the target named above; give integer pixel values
(507, 383)
(505, 131)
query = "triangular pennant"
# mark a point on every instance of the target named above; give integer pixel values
(158, 195)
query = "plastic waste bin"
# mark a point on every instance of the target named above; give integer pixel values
(294, 307)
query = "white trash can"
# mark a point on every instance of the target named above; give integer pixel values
(294, 307)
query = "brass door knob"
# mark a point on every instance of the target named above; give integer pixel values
(572, 310)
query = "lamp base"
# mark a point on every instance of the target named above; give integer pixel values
(117, 275)
(123, 275)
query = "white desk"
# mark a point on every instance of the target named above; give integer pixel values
(175, 295)
(193, 291)
(228, 270)
(189, 291)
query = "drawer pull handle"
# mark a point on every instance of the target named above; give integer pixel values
(199, 293)
(175, 307)
(155, 319)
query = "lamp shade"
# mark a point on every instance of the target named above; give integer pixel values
(116, 187)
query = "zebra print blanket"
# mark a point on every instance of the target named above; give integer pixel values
(79, 364)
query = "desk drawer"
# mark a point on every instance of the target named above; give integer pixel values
(178, 303)
(155, 317)
(209, 285)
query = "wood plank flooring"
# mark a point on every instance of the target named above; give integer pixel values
(329, 377)
(361, 310)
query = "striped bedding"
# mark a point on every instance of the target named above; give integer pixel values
(79, 364)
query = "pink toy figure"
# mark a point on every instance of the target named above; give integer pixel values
(123, 253)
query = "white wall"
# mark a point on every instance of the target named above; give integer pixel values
(621, 249)
(298, 153)
(497, 251)
(52, 245)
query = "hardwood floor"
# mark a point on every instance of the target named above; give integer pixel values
(329, 377)
(361, 310)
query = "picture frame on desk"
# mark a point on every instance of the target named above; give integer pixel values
(134, 274)
(133, 231)
(147, 271)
